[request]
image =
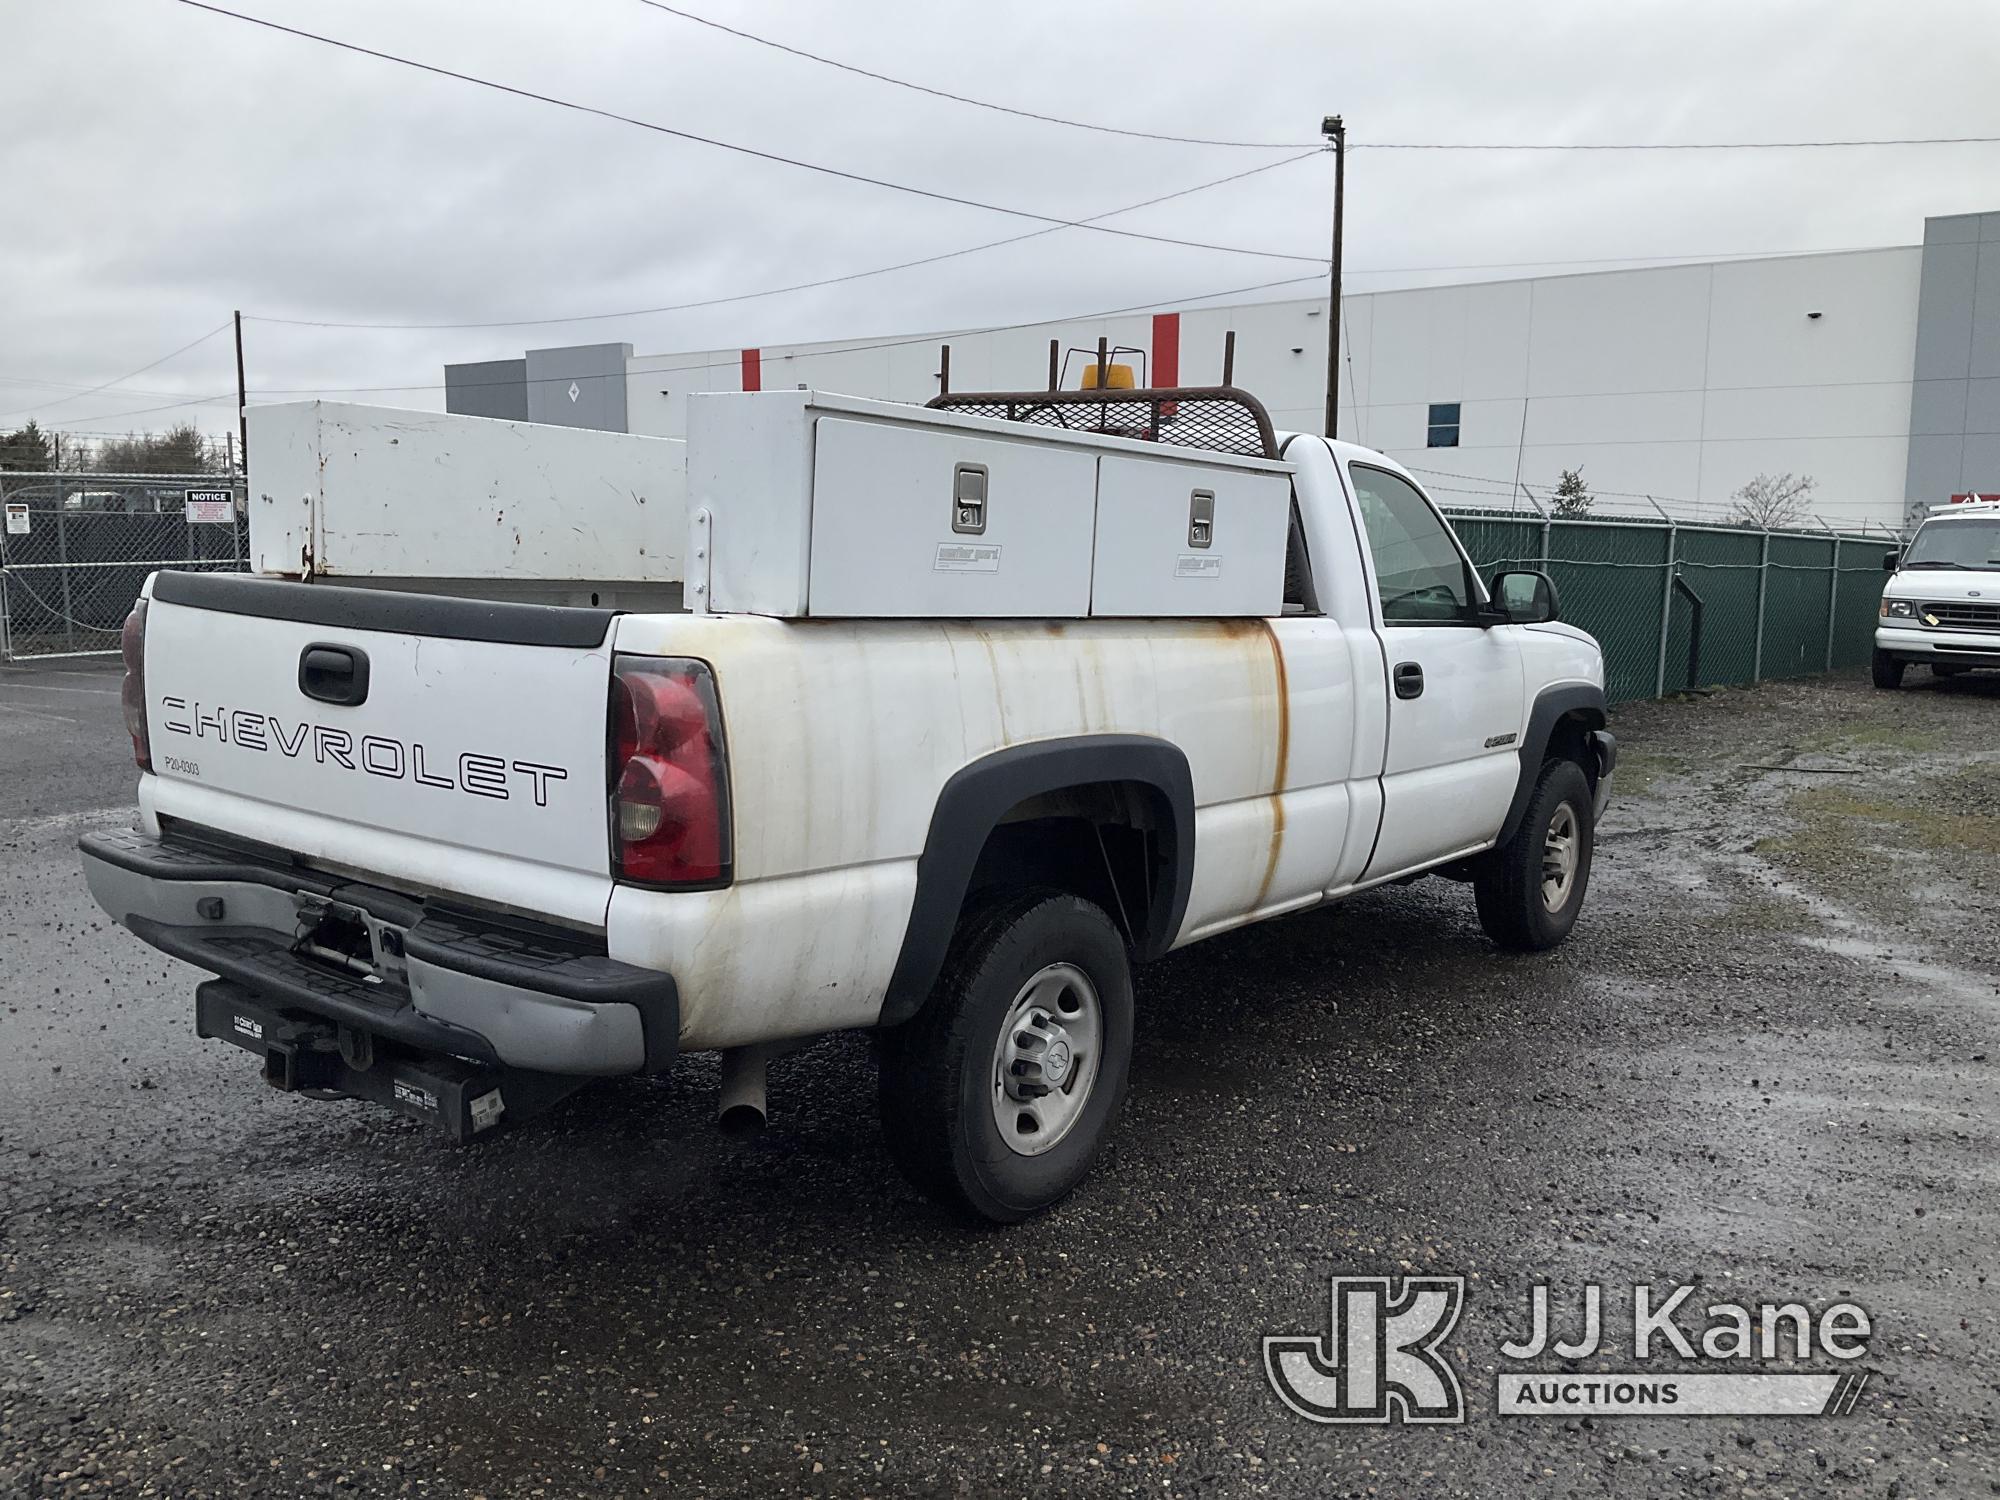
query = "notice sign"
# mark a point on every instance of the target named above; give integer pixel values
(18, 522)
(210, 506)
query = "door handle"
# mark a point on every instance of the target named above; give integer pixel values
(1409, 679)
(334, 674)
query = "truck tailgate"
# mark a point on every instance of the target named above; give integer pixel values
(448, 744)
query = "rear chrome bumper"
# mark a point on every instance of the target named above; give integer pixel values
(446, 983)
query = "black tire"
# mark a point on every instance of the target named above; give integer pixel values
(1508, 885)
(1886, 670)
(937, 1079)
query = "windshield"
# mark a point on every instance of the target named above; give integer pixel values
(1956, 544)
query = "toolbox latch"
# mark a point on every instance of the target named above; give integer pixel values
(1201, 518)
(968, 499)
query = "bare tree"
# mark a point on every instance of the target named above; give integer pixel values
(181, 449)
(1771, 502)
(1571, 498)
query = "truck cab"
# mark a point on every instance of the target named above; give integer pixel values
(1941, 603)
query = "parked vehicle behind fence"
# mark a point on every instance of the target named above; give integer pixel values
(1941, 604)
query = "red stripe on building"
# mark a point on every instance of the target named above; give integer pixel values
(1166, 349)
(753, 369)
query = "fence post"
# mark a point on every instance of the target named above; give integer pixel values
(1763, 577)
(62, 556)
(1833, 603)
(1542, 511)
(1666, 597)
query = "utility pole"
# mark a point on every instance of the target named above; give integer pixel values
(242, 399)
(1335, 130)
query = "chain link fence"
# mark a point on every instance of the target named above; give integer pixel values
(76, 547)
(1678, 607)
(1675, 606)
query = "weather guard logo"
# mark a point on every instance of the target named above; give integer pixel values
(1378, 1361)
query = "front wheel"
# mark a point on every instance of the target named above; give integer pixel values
(1530, 889)
(996, 1095)
(1886, 670)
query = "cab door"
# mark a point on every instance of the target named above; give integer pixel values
(1455, 682)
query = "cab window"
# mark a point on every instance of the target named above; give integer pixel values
(1420, 573)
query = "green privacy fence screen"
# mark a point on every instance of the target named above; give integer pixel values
(1697, 606)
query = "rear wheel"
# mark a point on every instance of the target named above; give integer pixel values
(997, 1094)
(1886, 670)
(1531, 888)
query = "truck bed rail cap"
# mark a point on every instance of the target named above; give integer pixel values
(397, 613)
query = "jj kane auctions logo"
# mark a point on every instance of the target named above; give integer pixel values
(1381, 1358)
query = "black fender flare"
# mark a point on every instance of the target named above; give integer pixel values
(1551, 705)
(981, 793)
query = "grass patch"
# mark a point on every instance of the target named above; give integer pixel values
(1638, 770)
(1929, 828)
(1875, 737)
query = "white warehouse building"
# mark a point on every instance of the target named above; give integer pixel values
(1876, 373)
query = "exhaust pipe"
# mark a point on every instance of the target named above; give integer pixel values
(740, 1109)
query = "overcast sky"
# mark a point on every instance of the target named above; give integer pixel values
(165, 165)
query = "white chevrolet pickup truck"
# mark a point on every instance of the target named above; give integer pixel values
(952, 717)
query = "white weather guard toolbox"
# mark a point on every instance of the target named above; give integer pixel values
(808, 504)
(361, 494)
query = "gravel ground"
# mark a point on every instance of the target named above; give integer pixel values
(1762, 1064)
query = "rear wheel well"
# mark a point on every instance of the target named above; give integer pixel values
(1101, 841)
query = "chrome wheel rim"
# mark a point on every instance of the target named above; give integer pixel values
(1559, 857)
(1046, 1060)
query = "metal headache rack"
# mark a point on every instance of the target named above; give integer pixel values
(1219, 418)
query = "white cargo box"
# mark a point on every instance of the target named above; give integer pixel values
(833, 506)
(373, 495)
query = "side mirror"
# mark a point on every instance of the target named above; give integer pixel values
(1524, 597)
(1891, 561)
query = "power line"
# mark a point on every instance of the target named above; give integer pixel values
(1933, 140)
(803, 286)
(1193, 140)
(145, 411)
(857, 348)
(93, 390)
(1489, 265)
(1017, 239)
(68, 385)
(936, 93)
(751, 151)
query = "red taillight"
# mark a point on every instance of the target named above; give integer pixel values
(132, 692)
(669, 786)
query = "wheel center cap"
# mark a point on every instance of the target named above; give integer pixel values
(1056, 1061)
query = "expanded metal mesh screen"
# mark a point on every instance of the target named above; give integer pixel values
(1218, 418)
(1696, 606)
(75, 549)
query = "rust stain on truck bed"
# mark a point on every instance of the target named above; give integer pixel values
(1282, 687)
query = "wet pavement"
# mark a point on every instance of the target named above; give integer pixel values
(1763, 1064)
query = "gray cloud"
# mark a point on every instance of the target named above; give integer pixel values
(166, 165)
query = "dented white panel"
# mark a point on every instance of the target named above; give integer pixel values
(339, 491)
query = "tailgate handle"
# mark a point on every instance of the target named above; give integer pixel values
(334, 674)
